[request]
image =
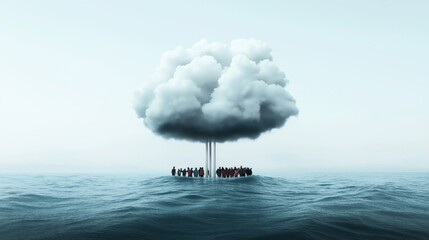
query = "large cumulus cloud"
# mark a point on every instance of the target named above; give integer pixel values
(215, 90)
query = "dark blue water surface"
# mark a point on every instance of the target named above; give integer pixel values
(318, 206)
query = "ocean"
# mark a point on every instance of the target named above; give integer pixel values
(299, 206)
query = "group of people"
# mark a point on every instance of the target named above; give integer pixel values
(233, 172)
(221, 172)
(188, 172)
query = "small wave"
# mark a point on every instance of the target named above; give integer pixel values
(37, 197)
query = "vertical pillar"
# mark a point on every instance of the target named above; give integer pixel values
(207, 155)
(214, 160)
(210, 159)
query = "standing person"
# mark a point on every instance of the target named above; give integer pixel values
(241, 171)
(218, 172)
(189, 172)
(201, 172)
(196, 172)
(179, 172)
(184, 172)
(173, 171)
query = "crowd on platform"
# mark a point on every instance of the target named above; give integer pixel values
(190, 172)
(221, 172)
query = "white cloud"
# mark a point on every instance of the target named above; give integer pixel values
(216, 91)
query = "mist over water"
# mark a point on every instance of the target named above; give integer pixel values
(318, 206)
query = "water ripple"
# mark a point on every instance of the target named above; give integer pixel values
(257, 207)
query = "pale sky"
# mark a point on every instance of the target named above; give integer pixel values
(357, 69)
